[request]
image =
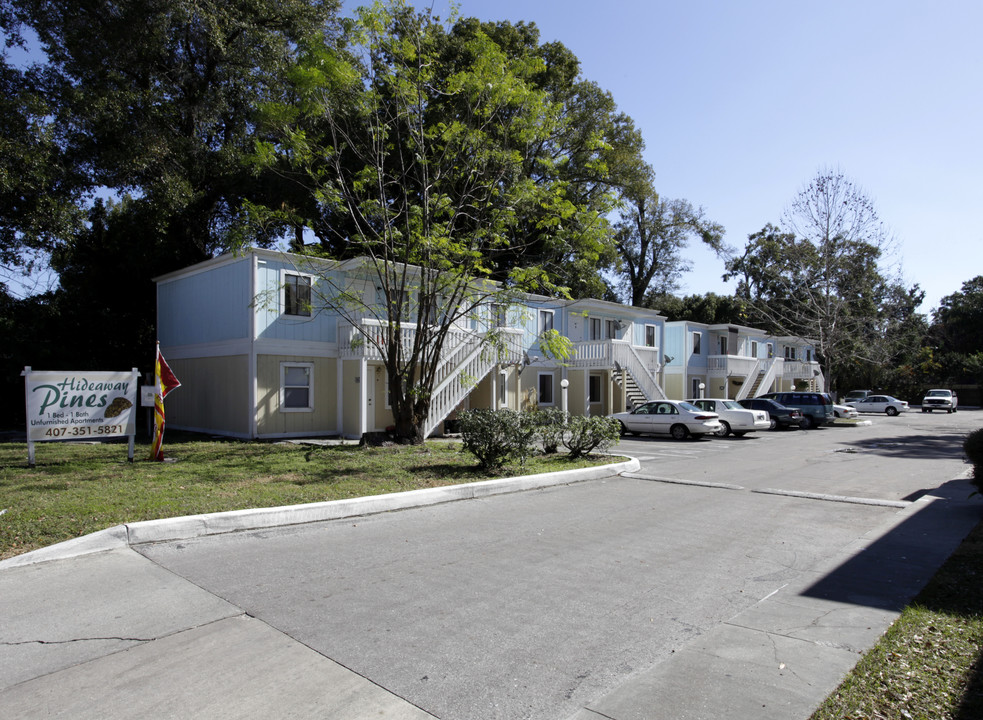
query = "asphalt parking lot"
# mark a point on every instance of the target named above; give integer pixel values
(727, 577)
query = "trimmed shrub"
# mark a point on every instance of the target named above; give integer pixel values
(496, 436)
(973, 447)
(586, 434)
(550, 424)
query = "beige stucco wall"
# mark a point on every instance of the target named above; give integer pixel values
(213, 397)
(674, 386)
(323, 419)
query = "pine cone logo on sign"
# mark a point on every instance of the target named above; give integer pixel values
(117, 406)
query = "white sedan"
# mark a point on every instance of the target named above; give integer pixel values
(672, 417)
(734, 418)
(845, 411)
(880, 404)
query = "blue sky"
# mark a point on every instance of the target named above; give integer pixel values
(741, 103)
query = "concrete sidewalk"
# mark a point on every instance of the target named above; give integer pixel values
(92, 629)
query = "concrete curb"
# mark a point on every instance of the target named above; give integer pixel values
(192, 526)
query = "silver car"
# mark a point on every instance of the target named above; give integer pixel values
(668, 417)
(879, 404)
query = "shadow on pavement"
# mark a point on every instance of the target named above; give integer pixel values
(946, 446)
(890, 571)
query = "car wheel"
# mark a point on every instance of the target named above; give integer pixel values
(892, 411)
(772, 423)
(806, 423)
(624, 429)
(950, 412)
(724, 430)
(679, 432)
(924, 410)
(740, 433)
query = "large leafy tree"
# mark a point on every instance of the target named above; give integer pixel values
(651, 236)
(959, 319)
(577, 165)
(39, 187)
(426, 163)
(820, 276)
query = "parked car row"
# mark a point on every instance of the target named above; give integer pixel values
(705, 416)
(778, 410)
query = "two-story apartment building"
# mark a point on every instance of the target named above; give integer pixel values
(733, 361)
(258, 358)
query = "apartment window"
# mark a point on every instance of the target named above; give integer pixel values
(723, 345)
(595, 329)
(546, 388)
(809, 355)
(789, 353)
(594, 388)
(697, 342)
(611, 328)
(650, 336)
(297, 295)
(771, 351)
(296, 387)
(545, 321)
(754, 349)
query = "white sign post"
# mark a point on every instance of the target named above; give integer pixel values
(80, 406)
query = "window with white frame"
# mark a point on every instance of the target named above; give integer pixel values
(546, 388)
(611, 328)
(650, 336)
(595, 328)
(545, 321)
(594, 388)
(296, 294)
(296, 387)
(754, 348)
(789, 352)
(697, 343)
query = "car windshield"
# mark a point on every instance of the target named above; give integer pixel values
(938, 393)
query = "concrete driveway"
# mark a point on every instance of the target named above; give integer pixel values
(725, 578)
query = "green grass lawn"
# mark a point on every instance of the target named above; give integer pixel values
(76, 489)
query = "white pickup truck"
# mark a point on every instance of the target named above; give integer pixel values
(940, 400)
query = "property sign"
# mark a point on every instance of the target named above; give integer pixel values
(80, 406)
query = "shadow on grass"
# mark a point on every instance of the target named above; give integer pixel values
(971, 707)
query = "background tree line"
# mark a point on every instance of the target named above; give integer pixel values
(143, 136)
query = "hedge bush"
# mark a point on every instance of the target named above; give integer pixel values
(586, 434)
(973, 447)
(496, 436)
(550, 424)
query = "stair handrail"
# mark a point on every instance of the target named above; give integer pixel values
(775, 365)
(625, 354)
(749, 381)
(477, 362)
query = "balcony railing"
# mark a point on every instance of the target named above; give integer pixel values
(730, 365)
(801, 370)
